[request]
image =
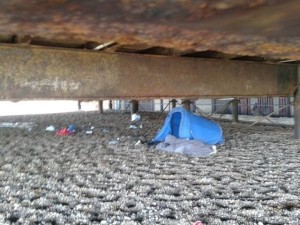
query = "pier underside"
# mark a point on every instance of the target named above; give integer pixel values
(140, 49)
(148, 49)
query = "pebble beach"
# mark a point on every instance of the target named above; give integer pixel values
(113, 177)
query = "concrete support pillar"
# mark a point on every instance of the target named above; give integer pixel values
(297, 108)
(100, 106)
(173, 102)
(79, 105)
(186, 104)
(134, 106)
(161, 105)
(110, 105)
(235, 110)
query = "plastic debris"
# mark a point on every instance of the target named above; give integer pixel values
(133, 126)
(90, 130)
(214, 148)
(22, 125)
(139, 142)
(113, 142)
(66, 131)
(135, 117)
(71, 128)
(50, 128)
(105, 130)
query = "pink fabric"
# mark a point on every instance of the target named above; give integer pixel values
(198, 223)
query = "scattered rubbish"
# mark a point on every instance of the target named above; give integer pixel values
(135, 117)
(139, 142)
(198, 223)
(214, 148)
(63, 132)
(192, 148)
(50, 128)
(71, 128)
(113, 142)
(90, 130)
(22, 125)
(133, 126)
(66, 131)
(105, 130)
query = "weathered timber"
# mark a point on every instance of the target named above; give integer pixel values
(235, 110)
(173, 102)
(134, 106)
(110, 105)
(42, 73)
(79, 105)
(297, 108)
(186, 104)
(161, 105)
(100, 106)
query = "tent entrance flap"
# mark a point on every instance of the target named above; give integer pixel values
(186, 125)
(175, 124)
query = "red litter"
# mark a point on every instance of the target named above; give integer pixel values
(63, 132)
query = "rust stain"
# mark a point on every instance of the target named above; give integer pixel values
(245, 27)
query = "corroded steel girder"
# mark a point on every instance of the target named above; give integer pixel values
(41, 73)
(267, 28)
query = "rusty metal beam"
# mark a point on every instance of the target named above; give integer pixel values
(44, 73)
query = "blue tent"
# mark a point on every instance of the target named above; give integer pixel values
(186, 125)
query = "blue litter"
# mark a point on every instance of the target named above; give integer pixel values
(71, 128)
